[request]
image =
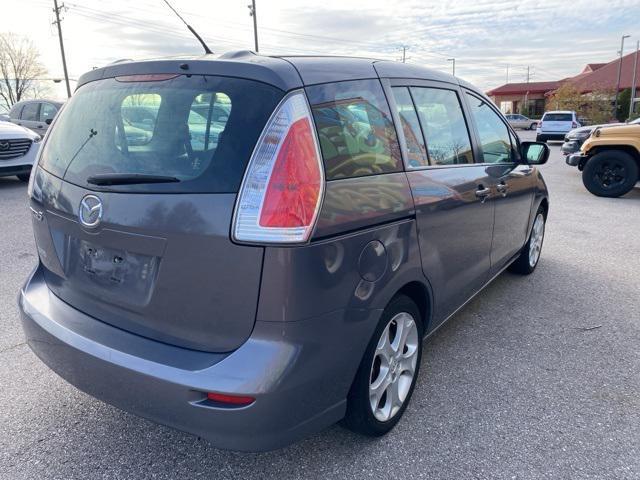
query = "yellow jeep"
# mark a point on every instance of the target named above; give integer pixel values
(609, 160)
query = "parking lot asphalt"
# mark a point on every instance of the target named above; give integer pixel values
(538, 377)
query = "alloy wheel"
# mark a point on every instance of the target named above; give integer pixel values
(535, 243)
(394, 366)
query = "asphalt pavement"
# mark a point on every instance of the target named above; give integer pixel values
(538, 377)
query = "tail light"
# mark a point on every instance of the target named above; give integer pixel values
(282, 188)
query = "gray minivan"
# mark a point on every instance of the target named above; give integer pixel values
(258, 275)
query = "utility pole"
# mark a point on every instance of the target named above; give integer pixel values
(615, 105)
(453, 61)
(252, 13)
(404, 54)
(528, 73)
(633, 83)
(64, 60)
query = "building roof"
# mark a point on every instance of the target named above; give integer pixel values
(594, 76)
(606, 76)
(525, 87)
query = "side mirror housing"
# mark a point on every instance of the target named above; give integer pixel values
(534, 153)
(48, 121)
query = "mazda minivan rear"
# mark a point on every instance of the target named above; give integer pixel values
(231, 246)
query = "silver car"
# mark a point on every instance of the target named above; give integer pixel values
(520, 121)
(36, 115)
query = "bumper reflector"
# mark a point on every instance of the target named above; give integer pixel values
(235, 400)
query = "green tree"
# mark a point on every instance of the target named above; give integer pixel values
(623, 104)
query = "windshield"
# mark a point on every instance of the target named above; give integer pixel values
(199, 129)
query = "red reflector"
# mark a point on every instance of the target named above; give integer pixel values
(230, 399)
(294, 186)
(152, 77)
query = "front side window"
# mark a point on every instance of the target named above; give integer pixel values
(493, 134)
(416, 149)
(30, 112)
(355, 129)
(445, 129)
(163, 127)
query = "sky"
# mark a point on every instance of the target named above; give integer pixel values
(554, 38)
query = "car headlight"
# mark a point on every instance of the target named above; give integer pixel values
(37, 139)
(582, 135)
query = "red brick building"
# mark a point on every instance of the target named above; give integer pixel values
(512, 97)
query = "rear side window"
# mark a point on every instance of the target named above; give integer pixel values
(492, 132)
(30, 112)
(558, 117)
(354, 126)
(444, 127)
(199, 129)
(16, 111)
(416, 149)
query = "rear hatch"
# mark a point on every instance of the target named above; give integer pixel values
(557, 123)
(136, 185)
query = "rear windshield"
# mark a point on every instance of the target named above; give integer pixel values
(198, 129)
(557, 117)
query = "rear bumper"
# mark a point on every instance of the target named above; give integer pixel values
(19, 165)
(551, 135)
(299, 373)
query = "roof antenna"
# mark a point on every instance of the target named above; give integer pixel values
(195, 34)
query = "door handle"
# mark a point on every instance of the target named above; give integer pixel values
(482, 193)
(502, 188)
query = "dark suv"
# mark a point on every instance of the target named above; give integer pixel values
(263, 251)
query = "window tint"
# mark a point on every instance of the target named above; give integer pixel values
(47, 111)
(30, 112)
(445, 130)
(208, 119)
(416, 150)
(354, 126)
(155, 127)
(558, 117)
(492, 132)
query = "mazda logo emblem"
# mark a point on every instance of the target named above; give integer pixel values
(5, 146)
(90, 212)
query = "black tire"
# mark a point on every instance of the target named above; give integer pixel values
(533, 126)
(611, 173)
(23, 177)
(360, 416)
(523, 265)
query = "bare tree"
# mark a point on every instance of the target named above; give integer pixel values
(20, 68)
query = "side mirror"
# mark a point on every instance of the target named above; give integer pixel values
(48, 121)
(534, 153)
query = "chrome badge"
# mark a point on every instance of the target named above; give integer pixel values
(90, 212)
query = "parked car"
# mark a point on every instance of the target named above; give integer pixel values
(555, 125)
(18, 150)
(610, 160)
(576, 137)
(520, 121)
(36, 115)
(257, 289)
(4, 114)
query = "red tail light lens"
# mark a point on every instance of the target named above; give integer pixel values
(282, 189)
(235, 400)
(294, 186)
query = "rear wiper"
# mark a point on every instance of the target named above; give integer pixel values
(129, 179)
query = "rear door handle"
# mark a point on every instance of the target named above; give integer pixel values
(483, 192)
